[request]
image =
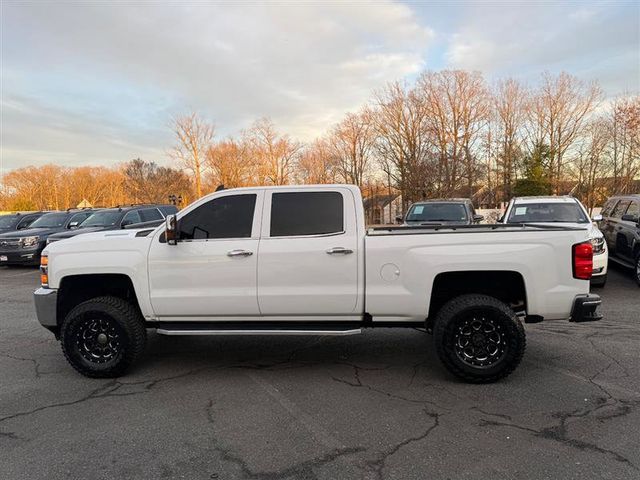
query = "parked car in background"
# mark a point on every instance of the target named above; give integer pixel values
(18, 221)
(24, 246)
(453, 211)
(620, 223)
(564, 211)
(119, 217)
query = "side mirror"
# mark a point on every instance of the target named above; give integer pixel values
(478, 218)
(629, 217)
(171, 229)
(74, 224)
(399, 219)
(597, 218)
(125, 223)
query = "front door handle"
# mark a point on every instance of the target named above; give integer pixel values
(239, 253)
(339, 251)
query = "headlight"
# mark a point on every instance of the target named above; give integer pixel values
(598, 245)
(29, 241)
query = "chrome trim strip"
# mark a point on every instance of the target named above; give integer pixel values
(355, 331)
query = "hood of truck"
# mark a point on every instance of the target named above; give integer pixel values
(31, 232)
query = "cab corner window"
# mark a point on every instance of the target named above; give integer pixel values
(230, 216)
(306, 213)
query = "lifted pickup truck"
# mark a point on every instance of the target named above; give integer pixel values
(298, 260)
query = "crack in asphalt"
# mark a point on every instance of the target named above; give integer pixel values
(305, 469)
(109, 389)
(377, 465)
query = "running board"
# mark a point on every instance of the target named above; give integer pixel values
(258, 328)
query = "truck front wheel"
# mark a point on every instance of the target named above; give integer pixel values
(479, 338)
(102, 337)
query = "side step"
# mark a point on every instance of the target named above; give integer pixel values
(258, 328)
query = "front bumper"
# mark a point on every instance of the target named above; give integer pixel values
(46, 300)
(22, 256)
(584, 308)
(600, 264)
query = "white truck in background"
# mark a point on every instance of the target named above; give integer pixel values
(298, 260)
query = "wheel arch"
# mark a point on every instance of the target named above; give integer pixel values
(75, 289)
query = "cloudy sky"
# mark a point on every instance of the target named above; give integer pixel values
(98, 82)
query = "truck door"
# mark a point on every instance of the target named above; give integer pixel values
(308, 256)
(211, 271)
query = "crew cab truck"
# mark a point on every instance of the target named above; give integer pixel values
(298, 260)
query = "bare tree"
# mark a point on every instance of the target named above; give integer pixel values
(317, 164)
(232, 163)
(624, 126)
(275, 153)
(509, 106)
(194, 137)
(558, 111)
(352, 142)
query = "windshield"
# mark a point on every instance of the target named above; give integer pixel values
(547, 213)
(101, 219)
(7, 221)
(437, 212)
(50, 220)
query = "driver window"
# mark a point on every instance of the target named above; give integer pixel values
(230, 216)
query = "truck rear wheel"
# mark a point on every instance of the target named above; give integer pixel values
(479, 338)
(102, 337)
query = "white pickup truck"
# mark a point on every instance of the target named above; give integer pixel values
(298, 260)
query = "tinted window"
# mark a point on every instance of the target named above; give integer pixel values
(606, 210)
(149, 214)
(51, 220)
(168, 209)
(25, 222)
(634, 209)
(306, 213)
(224, 217)
(78, 218)
(620, 208)
(7, 221)
(547, 213)
(102, 219)
(434, 212)
(131, 217)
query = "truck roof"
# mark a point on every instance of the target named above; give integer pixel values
(546, 199)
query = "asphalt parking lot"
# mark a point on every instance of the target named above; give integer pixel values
(377, 405)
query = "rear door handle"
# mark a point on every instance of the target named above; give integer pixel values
(239, 253)
(339, 251)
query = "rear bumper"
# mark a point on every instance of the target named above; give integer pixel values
(46, 301)
(584, 308)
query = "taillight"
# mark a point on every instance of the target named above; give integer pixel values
(583, 260)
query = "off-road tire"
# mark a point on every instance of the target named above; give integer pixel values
(125, 333)
(454, 316)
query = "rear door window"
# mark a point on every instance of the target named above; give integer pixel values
(620, 209)
(634, 209)
(150, 214)
(306, 213)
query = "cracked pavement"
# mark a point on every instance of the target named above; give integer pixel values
(372, 406)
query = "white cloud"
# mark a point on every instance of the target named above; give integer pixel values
(301, 65)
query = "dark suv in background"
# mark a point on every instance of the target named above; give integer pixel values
(620, 225)
(119, 217)
(24, 246)
(11, 222)
(454, 211)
